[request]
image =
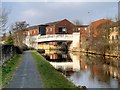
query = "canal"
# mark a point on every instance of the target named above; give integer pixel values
(86, 70)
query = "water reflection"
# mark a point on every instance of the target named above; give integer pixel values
(87, 70)
(57, 56)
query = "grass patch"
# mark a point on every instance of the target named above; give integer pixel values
(8, 69)
(51, 77)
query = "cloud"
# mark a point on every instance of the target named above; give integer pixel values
(29, 13)
(31, 16)
(42, 12)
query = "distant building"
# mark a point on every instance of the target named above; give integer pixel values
(97, 25)
(115, 36)
(32, 31)
(31, 34)
(84, 34)
(96, 29)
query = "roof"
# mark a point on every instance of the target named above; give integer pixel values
(36, 26)
(101, 21)
(82, 25)
(32, 27)
(52, 23)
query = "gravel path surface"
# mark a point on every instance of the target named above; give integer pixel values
(26, 75)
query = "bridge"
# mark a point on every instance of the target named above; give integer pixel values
(74, 38)
(32, 41)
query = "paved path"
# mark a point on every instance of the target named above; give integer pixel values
(27, 75)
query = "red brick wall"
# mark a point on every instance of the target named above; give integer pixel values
(32, 32)
(64, 23)
(94, 26)
(84, 33)
(67, 24)
(50, 29)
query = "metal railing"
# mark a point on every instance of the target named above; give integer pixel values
(55, 37)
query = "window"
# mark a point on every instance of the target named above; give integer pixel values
(62, 30)
(116, 37)
(114, 28)
(34, 31)
(111, 29)
(28, 33)
(47, 30)
(112, 37)
(50, 29)
(78, 28)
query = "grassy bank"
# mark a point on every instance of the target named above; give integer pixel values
(51, 78)
(8, 69)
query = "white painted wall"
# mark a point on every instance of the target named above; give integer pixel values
(28, 41)
(76, 40)
(75, 37)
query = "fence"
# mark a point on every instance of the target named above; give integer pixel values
(6, 52)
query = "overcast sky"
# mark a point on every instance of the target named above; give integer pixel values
(43, 12)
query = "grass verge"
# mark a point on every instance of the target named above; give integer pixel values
(8, 69)
(51, 77)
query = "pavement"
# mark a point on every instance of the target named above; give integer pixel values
(27, 75)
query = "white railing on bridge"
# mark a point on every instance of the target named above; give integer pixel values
(55, 37)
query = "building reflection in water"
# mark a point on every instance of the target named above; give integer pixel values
(91, 71)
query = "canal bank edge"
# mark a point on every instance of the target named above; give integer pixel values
(107, 54)
(51, 77)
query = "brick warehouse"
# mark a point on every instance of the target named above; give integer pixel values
(60, 27)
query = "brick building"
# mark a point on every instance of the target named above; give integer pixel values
(60, 27)
(97, 25)
(57, 27)
(114, 36)
(84, 35)
(30, 36)
(98, 30)
(32, 31)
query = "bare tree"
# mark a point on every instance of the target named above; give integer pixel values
(101, 41)
(18, 30)
(76, 23)
(3, 20)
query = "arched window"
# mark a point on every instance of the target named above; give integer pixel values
(116, 37)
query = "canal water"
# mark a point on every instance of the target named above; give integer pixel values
(86, 70)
